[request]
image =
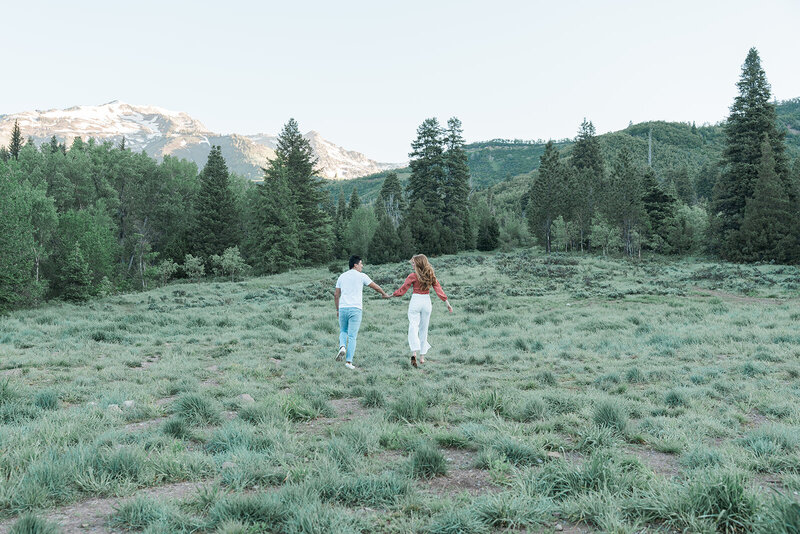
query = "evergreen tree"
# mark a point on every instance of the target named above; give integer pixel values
(408, 246)
(587, 159)
(54, 146)
(456, 186)
(341, 207)
(273, 244)
(4, 155)
(766, 232)
(706, 178)
(339, 225)
(752, 117)
(16, 243)
(427, 168)
(215, 227)
(425, 229)
(390, 199)
(586, 152)
(355, 203)
(76, 281)
(623, 199)
(295, 160)
(659, 206)
(16, 141)
(385, 245)
(488, 234)
(546, 196)
(679, 179)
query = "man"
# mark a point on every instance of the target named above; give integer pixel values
(347, 298)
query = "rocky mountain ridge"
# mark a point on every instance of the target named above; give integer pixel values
(160, 132)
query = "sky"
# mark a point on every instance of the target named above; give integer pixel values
(365, 74)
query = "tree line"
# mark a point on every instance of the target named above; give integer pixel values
(94, 218)
(744, 208)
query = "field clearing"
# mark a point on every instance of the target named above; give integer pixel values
(580, 393)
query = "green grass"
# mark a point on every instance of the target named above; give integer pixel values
(626, 395)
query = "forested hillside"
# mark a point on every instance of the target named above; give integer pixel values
(674, 144)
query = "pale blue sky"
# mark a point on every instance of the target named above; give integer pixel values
(365, 74)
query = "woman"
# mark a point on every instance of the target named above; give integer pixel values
(419, 309)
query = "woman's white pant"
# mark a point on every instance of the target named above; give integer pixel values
(419, 316)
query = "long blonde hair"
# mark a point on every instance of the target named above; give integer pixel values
(424, 270)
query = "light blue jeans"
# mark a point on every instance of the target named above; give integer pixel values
(349, 322)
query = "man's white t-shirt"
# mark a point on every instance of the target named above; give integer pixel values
(352, 283)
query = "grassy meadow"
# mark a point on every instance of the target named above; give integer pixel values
(566, 393)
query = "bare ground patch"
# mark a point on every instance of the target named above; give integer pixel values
(144, 425)
(461, 476)
(347, 409)
(91, 516)
(660, 462)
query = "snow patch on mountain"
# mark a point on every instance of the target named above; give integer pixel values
(160, 132)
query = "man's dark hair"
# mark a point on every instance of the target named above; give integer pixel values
(354, 261)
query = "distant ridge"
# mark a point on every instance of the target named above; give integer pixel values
(160, 132)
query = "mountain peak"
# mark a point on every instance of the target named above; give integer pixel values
(161, 132)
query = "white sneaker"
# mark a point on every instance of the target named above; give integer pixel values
(349, 365)
(341, 353)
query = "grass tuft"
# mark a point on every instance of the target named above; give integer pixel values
(609, 414)
(428, 462)
(196, 409)
(31, 524)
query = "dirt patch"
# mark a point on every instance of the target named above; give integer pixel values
(461, 476)
(731, 297)
(755, 420)
(144, 425)
(90, 517)
(349, 409)
(165, 400)
(346, 410)
(660, 462)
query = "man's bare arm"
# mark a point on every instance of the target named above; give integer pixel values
(377, 288)
(336, 294)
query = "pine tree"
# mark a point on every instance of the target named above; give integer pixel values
(215, 228)
(4, 155)
(76, 282)
(623, 199)
(295, 160)
(390, 199)
(385, 244)
(272, 245)
(684, 190)
(706, 178)
(341, 207)
(546, 196)
(16, 242)
(427, 168)
(586, 152)
(16, 141)
(339, 225)
(54, 147)
(752, 117)
(659, 206)
(766, 232)
(587, 159)
(488, 234)
(456, 187)
(425, 229)
(355, 203)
